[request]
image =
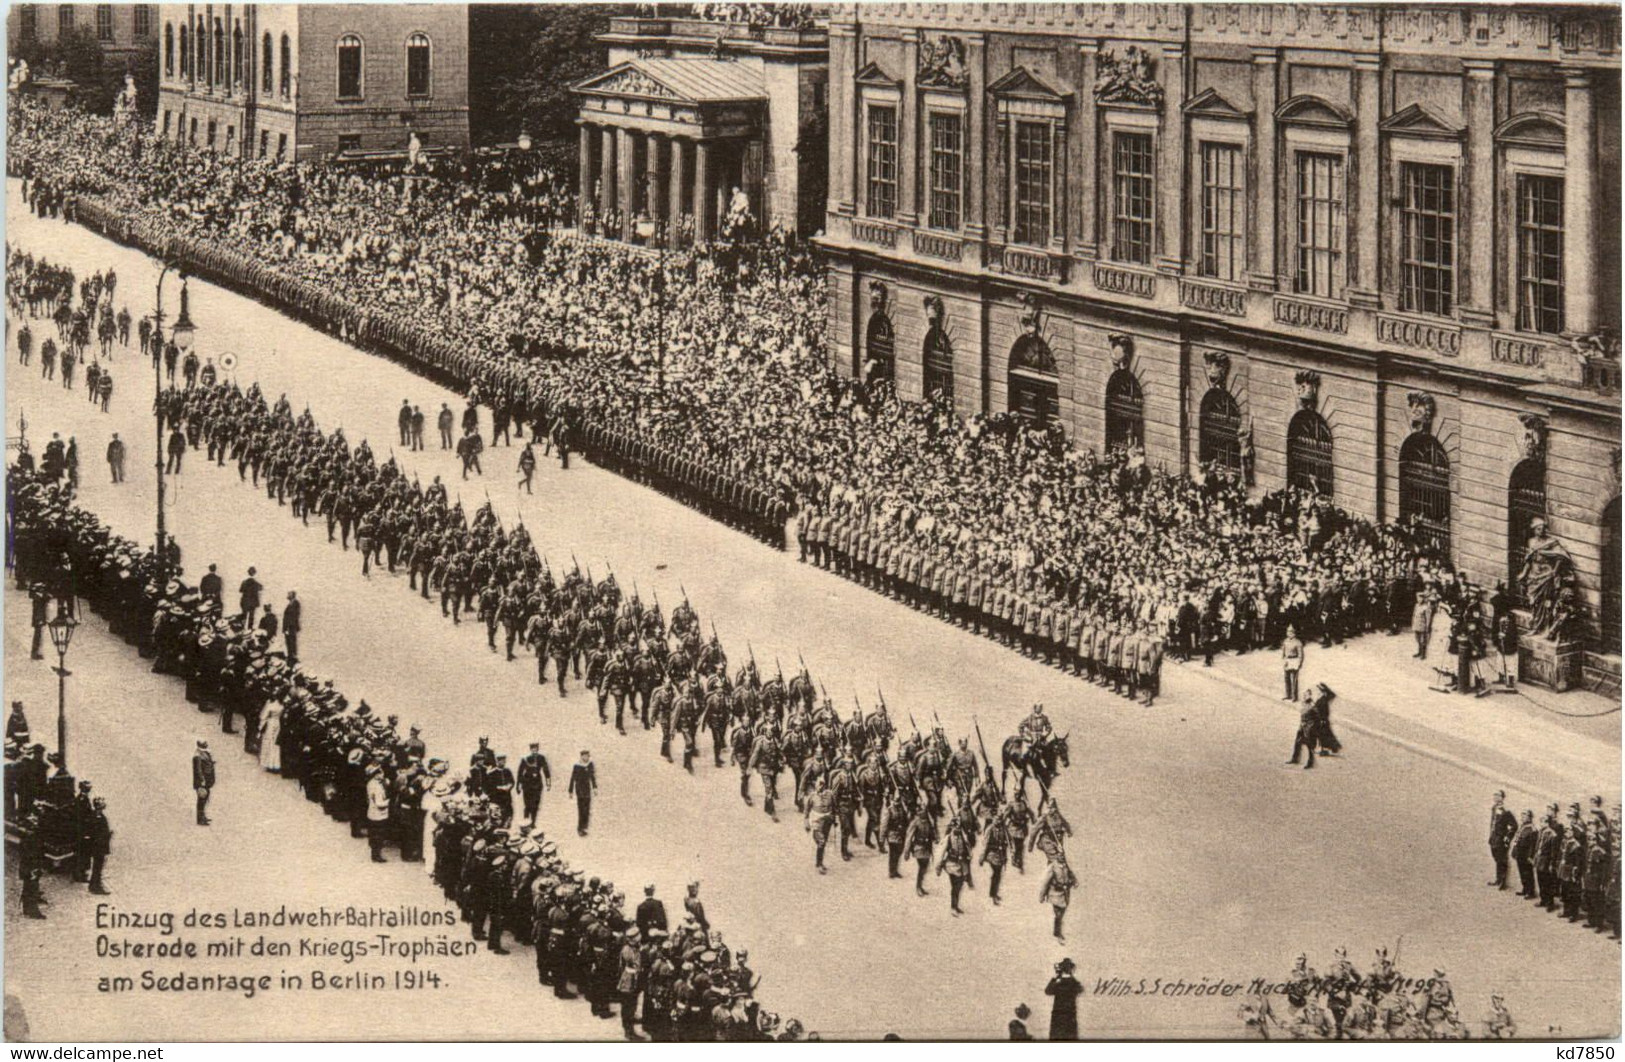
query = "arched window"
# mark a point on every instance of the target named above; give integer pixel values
(417, 65)
(1526, 503)
(1424, 490)
(939, 364)
(237, 57)
(1309, 453)
(1610, 577)
(287, 68)
(169, 49)
(267, 66)
(1125, 411)
(349, 67)
(186, 56)
(1035, 393)
(879, 360)
(200, 60)
(1218, 436)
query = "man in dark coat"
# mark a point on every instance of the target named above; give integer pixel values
(249, 597)
(203, 778)
(100, 843)
(291, 626)
(1523, 854)
(1063, 1015)
(583, 784)
(1503, 828)
(651, 912)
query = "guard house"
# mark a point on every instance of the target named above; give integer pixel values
(696, 114)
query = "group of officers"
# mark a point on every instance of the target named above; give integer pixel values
(1567, 862)
(680, 982)
(944, 579)
(54, 818)
(668, 675)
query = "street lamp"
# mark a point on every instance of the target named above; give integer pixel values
(182, 334)
(62, 629)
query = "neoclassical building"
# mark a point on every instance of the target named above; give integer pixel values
(309, 80)
(118, 28)
(692, 109)
(1372, 250)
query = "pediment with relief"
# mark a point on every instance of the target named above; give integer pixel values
(1022, 83)
(628, 80)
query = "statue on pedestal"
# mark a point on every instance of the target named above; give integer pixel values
(124, 105)
(1547, 582)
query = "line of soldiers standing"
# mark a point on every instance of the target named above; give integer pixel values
(1569, 865)
(507, 881)
(625, 652)
(950, 582)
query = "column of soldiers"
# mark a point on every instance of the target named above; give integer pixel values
(1381, 1004)
(680, 983)
(37, 289)
(951, 581)
(629, 658)
(1567, 863)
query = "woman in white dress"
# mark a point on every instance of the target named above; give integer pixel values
(270, 733)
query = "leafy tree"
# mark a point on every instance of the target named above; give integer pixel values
(529, 56)
(99, 78)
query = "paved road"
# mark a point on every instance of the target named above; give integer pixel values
(1201, 855)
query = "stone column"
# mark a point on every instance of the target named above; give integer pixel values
(844, 161)
(1171, 161)
(607, 170)
(1263, 179)
(1086, 177)
(1579, 205)
(624, 176)
(586, 175)
(702, 190)
(674, 184)
(976, 196)
(1477, 237)
(908, 134)
(1364, 221)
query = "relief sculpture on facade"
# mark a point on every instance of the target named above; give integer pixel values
(1126, 78)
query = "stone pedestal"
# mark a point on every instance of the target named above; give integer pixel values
(1546, 662)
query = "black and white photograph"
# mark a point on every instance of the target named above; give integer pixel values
(793, 522)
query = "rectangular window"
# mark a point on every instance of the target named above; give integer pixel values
(1223, 213)
(265, 142)
(417, 67)
(1035, 182)
(64, 19)
(947, 182)
(1540, 253)
(1427, 232)
(104, 22)
(28, 26)
(881, 199)
(349, 141)
(281, 146)
(166, 125)
(141, 24)
(349, 69)
(1320, 225)
(1134, 191)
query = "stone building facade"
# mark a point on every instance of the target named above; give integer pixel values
(310, 80)
(691, 109)
(1373, 250)
(118, 28)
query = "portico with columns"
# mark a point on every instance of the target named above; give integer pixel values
(663, 145)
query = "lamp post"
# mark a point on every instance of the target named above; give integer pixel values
(182, 334)
(62, 629)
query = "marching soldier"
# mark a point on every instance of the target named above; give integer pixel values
(534, 777)
(919, 842)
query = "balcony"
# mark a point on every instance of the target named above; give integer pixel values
(1430, 335)
(935, 245)
(1212, 297)
(1033, 263)
(1122, 280)
(1312, 315)
(878, 233)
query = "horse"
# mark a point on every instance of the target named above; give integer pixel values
(1039, 759)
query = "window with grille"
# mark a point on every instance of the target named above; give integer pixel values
(1222, 212)
(186, 58)
(1427, 232)
(219, 73)
(881, 361)
(349, 67)
(881, 199)
(287, 72)
(1219, 432)
(1125, 411)
(939, 364)
(1540, 253)
(237, 57)
(1309, 453)
(947, 184)
(1526, 503)
(267, 69)
(1035, 177)
(104, 22)
(1320, 225)
(141, 20)
(1424, 491)
(169, 49)
(1134, 190)
(417, 65)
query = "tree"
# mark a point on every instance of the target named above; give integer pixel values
(98, 77)
(530, 55)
